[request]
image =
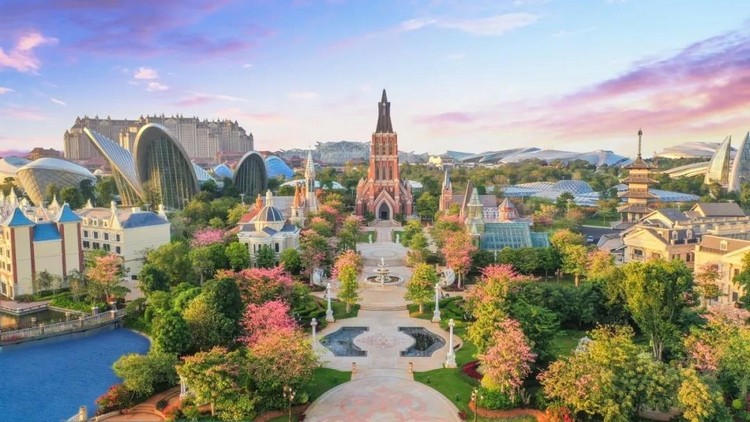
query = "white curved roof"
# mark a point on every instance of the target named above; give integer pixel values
(119, 158)
(202, 175)
(56, 164)
(10, 165)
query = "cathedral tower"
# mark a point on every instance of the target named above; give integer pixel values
(383, 193)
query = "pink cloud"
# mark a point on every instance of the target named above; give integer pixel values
(199, 98)
(446, 118)
(21, 57)
(23, 113)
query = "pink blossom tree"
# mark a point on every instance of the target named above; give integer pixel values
(281, 358)
(262, 320)
(105, 278)
(457, 251)
(259, 285)
(508, 360)
(207, 236)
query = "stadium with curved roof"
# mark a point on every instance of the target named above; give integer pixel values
(251, 176)
(222, 171)
(37, 176)
(122, 165)
(277, 167)
(163, 166)
(9, 166)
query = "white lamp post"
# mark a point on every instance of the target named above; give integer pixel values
(329, 311)
(314, 325)
(450, 359)
(436, 314)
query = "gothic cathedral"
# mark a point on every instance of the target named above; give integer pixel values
(383, 193)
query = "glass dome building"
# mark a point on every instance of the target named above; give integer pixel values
(38, 175)
(277, 167)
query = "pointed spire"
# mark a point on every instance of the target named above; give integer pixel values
(475, 198)
(640, 134)
(384, 116)
(309, 165)
(297, 197)
(447, 180)
(269, 198)
(88, 205)
(258, 202)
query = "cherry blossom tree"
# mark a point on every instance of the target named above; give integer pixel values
(208, 236)
(507, 362)
(315, 251)
(259, 285)
(445, 227)
(105, 278)
(457, 251)
(262, 320)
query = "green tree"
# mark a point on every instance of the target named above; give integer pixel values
(146, 374)
(655, 294)
(349, 233)
(220, 378)
(427, 206)
(611, 378)
(265, 257)
(421, 287)
(174, 259)
(417, 249)
(574, 261)
(170, 334)
(235, 213)
(105, 191)
(151, 279)
(347, 268)
(291, 260)
(207, 259)
(208, 327)
(539, 324)
(224, 296)
(699, 399)
(238, 255)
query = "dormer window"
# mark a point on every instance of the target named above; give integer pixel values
(723, 245)
(675, 234)
(689, 234)
(96, 223)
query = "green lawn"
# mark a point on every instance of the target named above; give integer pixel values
(325, 379)
(339, 310)
(400, 233)
(364, 236)
(565, 342)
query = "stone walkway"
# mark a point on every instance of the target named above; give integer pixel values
(382, 387)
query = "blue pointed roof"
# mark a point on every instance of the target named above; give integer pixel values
(17, 219)
(66, 215)
(46, 231)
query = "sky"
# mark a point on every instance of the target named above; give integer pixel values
(472, 75)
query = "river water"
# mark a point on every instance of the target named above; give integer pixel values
(48, 380)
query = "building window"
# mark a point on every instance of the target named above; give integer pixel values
(106, 236)
(723, 245)
(86, 244)
(638, 252)
(277, 247)
(735, 297)
(117, 250)
(117, 237)
(689, 234)
(674, 235)
(106, 247)
(689, 257)
(96, 245)
(96, 235)
(85, 233)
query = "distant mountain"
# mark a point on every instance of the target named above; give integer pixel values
(13, 153)
(341, 152)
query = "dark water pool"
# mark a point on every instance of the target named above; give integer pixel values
(425, 342)
(48, 380)
(13, 322)
(341, 341)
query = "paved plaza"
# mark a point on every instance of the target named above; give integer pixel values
(382, 386)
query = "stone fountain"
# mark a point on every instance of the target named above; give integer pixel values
(382, 275)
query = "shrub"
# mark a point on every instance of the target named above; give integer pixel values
(118, 397)
(496, 400)
(558, 414)
(24, 298)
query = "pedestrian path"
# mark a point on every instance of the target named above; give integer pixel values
(382, 386)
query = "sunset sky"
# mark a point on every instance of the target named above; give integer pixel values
(461, 75)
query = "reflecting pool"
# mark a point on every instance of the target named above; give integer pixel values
(13, 322)
(341, 341)
(425, 342)
(48, 380)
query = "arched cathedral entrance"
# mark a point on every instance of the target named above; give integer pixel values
(384, 212)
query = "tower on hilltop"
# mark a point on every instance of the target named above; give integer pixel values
(383, 193)
(637, 196)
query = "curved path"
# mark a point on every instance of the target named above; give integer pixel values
(382, 398)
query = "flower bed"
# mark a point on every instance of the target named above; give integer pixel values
(470, 369)
(512, 413)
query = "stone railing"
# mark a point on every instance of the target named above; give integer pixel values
(72, 326)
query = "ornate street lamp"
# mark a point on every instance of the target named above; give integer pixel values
(289, 395)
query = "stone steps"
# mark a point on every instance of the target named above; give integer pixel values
(382, 307)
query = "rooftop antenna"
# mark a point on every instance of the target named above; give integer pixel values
(640, 134)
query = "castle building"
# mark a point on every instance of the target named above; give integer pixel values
(32, 242)
(128, 232)
(490, 210)
(268, 227)
(637, 196)
(383, 193)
